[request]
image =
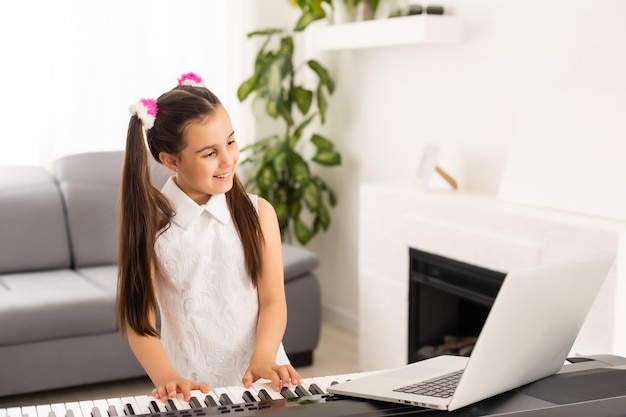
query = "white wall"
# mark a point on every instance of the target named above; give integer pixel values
(518, 61)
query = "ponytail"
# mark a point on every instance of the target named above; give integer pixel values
(144, 211)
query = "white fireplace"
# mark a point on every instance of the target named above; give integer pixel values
(477, 230)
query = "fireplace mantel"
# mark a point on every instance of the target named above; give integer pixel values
(481, 231)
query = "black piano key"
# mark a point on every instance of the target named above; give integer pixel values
(128, 410)
(113, 411)
(154, 407)
(195, 403)
(225, 399)
(263, 395)
(208, 400)
(95, 412)
(287, 393)
(315, 389)
(69, 413)
(249, 397)
(52, 414)
(170, 406)
(301, 391)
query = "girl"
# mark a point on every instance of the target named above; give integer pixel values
(209, 253)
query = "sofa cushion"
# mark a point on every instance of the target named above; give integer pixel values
(33, 231)
(90, 186)
(298, 261)
(46, 305)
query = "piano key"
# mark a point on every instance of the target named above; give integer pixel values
(268, 390)
(180, 402)
(194, 402)
(211, 399)
(170, 405)
(236, 394)
(58, 409)
(73, 409)
(131, 407)
(301, 391)
(249, 397)
(86, 407)
(43, 410)
(101, 406)
(14, 412)
(287, 393)
(29, 411)
(143, 402)
(3, 412)
(116, 408)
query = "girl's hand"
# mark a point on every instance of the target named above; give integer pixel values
(280, 375)
(170, 389)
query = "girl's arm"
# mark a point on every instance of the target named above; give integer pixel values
(150, 353)
(272, 319)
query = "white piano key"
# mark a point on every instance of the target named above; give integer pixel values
(86, 407)
(115, 403)
(58, 409)
(44, 410)
(101, 405)
(133, 404)
(14, 412)
(74, 407)
(143, 402)
(29, 411)
(236, 393)
(267, 386)
(3, 412)
(180, 402)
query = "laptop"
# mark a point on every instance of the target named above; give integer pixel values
(528, 334)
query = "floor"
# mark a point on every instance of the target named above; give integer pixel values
(336, 354)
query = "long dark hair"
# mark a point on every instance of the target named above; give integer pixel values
(145, 212)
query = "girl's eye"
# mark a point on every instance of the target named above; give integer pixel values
(231, 142)
(210, 154)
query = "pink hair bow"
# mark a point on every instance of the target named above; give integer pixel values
(146, 109)
(190, 78)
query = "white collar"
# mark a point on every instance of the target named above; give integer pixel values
(186, 210)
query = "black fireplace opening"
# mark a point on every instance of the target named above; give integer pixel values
(449, 302)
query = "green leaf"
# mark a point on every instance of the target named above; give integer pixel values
(266, 178)
(312, 196)
(323, 75)
(303, 99)
(295, 209)
(307, 18)
(327, 158)
(303, 233)
(322, 217)
(274, 74)
(282, 211)
(322, 104)
(299, 169)
(272, 109)
(246, 88)
(264, 32)
(321, 143)
(293, 139)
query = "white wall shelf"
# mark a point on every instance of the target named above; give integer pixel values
(404, 30)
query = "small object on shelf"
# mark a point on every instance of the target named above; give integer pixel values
(434, 9)
(447, 177)
(415, 9)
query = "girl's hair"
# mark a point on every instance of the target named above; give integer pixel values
(145, 212)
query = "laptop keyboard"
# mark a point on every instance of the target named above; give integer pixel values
(441, 387)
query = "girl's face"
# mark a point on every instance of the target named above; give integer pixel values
(207, 164)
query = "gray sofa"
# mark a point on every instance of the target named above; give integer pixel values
(58, 276)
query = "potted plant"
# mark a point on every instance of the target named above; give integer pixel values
(279, 170)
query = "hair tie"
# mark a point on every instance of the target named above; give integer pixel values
(190, 78)
(146, 109)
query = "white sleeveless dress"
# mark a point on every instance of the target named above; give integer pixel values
(208, 305)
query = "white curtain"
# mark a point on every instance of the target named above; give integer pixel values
(71, 68)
